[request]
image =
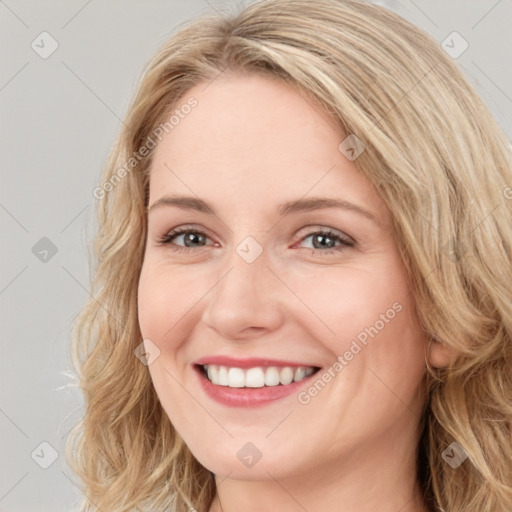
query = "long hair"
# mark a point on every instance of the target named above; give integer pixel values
(441, 164)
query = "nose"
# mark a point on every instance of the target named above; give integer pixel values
(247, 300)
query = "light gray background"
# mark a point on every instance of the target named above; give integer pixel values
(60, 116)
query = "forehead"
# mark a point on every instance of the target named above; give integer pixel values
(255, 140)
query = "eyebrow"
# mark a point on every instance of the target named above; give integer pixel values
(294, 206)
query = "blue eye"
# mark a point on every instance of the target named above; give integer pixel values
(343, 240)
(195, 236)
(190, 236)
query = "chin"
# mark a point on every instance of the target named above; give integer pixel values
(239, 465)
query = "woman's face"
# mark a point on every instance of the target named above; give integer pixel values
(264, 293)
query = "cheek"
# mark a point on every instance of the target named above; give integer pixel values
(366, 316)
(151, 300)
(165, 299)
(164, 313)
(353, 302)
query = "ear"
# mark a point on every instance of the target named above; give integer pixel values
(439, 355)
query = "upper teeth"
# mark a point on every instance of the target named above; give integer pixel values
(256, 377)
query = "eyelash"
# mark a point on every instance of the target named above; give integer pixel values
(168, 237)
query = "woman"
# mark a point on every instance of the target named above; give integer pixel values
(340, 336)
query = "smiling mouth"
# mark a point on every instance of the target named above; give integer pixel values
(255, 377)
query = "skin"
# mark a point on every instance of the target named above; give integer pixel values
(250, 144)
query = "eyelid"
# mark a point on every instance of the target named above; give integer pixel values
(312, 228)
(184, 228)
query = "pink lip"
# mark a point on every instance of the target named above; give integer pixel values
(246, 363)
(248, 397)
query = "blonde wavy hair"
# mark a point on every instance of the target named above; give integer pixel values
(442, 165)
